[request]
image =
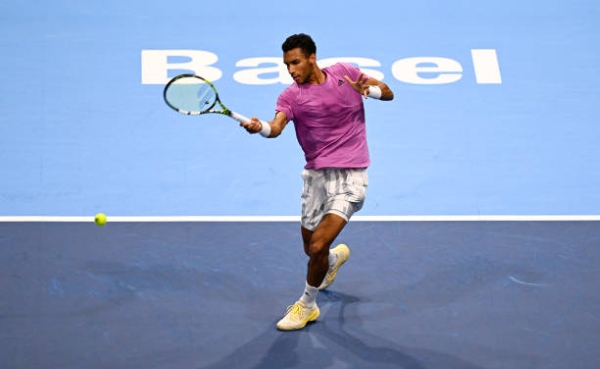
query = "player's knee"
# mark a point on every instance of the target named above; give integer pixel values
(307, 249)
(318, 250)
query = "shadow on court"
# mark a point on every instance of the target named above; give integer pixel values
(208, 295)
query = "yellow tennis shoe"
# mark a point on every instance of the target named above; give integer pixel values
(297, 316)
(343, 253)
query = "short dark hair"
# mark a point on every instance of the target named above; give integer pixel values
(301, 40)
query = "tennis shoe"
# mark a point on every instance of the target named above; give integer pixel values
(297, 316)
(343, 253)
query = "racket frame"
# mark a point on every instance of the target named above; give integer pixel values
(224, 110)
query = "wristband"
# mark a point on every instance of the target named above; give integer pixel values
(266, 129)
(374, 92)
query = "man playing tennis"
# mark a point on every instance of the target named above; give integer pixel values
(326, 106)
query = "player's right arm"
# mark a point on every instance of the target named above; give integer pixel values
(277, 124)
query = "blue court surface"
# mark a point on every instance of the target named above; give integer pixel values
(208, 295)
(477, 246)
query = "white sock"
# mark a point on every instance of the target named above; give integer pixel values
(309, 297)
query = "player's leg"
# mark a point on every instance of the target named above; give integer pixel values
(305, 310)
(313, 199)
(337, 194)
(326, 232)
(346, 194)
(306, 236)
(335, 259)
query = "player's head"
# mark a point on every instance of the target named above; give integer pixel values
(300, 57)
(302, 41)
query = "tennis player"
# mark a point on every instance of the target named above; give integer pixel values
(326, 106)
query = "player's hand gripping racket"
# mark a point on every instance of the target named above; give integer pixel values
(193, 95)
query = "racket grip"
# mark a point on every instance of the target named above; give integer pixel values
(266, 127)
(240, 118)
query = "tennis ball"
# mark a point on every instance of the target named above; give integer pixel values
(100, 219)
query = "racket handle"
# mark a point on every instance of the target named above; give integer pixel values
(266, 127)
(240, 118)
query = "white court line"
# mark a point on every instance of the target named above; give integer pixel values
(266, 218)
(516, 280)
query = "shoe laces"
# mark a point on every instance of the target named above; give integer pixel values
(296, 311)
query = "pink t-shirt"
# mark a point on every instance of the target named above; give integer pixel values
(329, 120)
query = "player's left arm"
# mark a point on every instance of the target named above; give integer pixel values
(371, 87)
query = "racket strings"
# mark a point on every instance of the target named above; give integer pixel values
(206, 97)
(190, 95)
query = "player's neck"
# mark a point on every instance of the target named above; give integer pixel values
(318, 77)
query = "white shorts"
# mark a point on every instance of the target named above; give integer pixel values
(332, 190)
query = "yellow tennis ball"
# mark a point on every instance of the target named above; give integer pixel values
(100, 219)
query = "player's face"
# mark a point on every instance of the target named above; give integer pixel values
(299, 66)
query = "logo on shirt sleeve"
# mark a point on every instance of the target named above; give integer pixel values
(340, 82)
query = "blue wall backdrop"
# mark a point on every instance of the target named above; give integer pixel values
(512, 130)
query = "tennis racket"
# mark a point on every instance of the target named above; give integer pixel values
(193, 95)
